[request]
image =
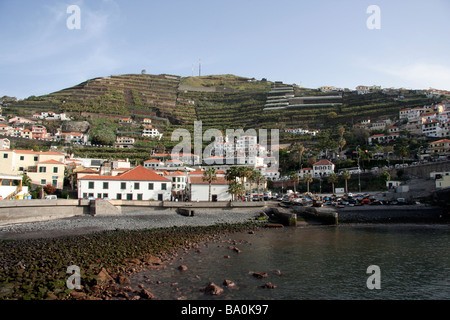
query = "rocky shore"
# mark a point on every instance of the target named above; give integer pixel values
(34, 257)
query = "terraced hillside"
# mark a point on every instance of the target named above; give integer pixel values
(219, 101)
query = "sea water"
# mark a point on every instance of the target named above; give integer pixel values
(313, 262)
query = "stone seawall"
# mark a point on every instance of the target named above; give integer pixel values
(382, 214)
(373, 214)
(23, 211)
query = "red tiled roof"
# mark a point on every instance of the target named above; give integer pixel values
(199, 180)
(136, 174)
(323, 162)
(51, 161)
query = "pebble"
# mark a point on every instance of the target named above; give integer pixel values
(79, 225)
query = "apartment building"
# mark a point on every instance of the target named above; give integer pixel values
(42, 167)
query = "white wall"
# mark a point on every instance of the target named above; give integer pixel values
(114, 188)
(200, 192)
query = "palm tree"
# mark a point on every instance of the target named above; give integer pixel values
(308, 179)
(235, 189)
(257, 177)
(298, 147)
(294, 177)
(346, 175)
(332, 178)
(245, 173)
(210, 176)
(232, 173)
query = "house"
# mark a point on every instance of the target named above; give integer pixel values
(48, 172)
(147, 121)
(124, 142)
(304, 171)
(153, 164)
(179, 182)
(38, 132)
(125, 120)
(432, 128)
(74, 137)
(5, 129)
(383, 138)
(441, 147)
(4, 143)
(151, 132)
(198, 190)
(20, 120)
(42, 167)
(323, 168)
(138, 183)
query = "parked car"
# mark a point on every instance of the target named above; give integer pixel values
(51, 197)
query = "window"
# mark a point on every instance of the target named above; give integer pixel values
(105, 195)
(99, 195)
(5, 156)
(43, 181)
(123, 185)
(119, 196)
(163, 186)
(55, 183)
(35, 158)
(91, 185)
(84, 195)
(22, 158)
(150, 186)
(136, 185)
(42, 169)
(139, 196)
(105, 185)
(55, 169)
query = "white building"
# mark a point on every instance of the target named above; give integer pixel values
(151, 132)
(136, 184)
(323, 168)
(198, 190)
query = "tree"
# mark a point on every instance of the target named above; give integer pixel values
(26, 181)
(49, 189)
(308, 179)
(295, 178)
(341, 143)
(332, 178)
(210, 176)
(299, 148)
(385, 176)
(245, 173)
(346, 175)
(257, 177)
(235, 189)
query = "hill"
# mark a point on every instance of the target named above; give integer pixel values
(219, 101)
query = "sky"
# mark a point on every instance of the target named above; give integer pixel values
(309, 43)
